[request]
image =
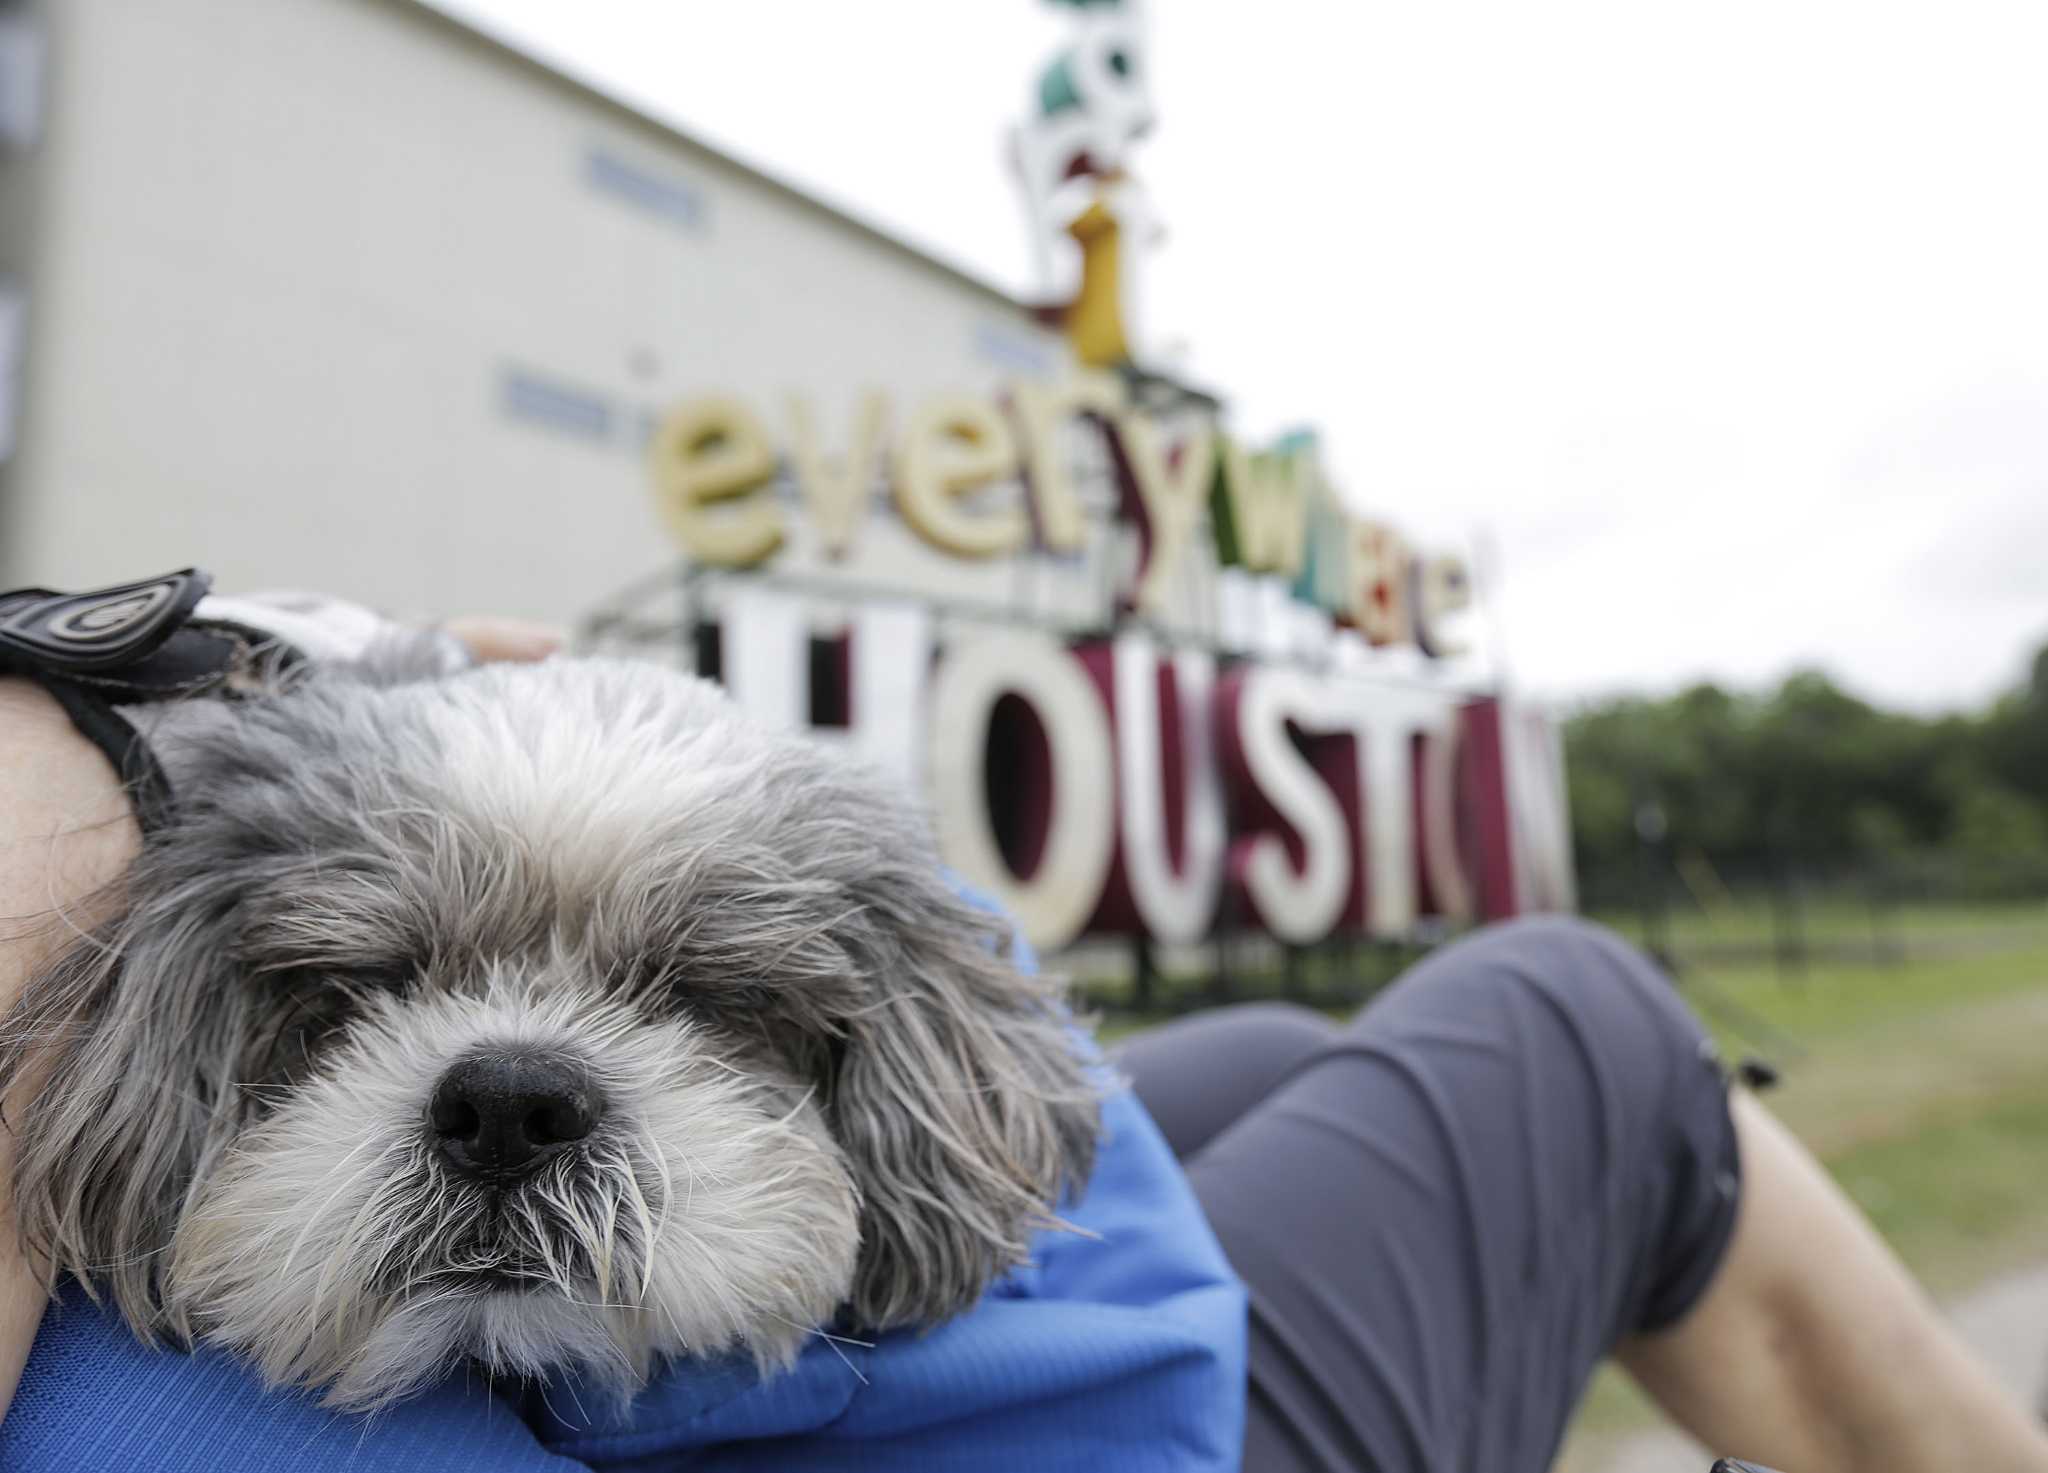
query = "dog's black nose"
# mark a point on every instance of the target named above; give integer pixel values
(501, 1115)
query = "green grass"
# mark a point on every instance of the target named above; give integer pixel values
(1834, 1003)
(1961, 1197)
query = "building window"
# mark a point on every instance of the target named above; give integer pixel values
(21, 78)
(670, 198)
(1015, 350)
(13, 336)
(555, 405)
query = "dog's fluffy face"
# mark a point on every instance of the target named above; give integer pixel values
(821, 1090)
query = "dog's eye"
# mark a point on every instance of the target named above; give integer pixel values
(353, 978)
(649, 979)
(310, 1010)
(376, 977)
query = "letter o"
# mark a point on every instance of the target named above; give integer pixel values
(1054, 902)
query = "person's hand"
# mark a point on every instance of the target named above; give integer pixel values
(66, 836)
(491, 638)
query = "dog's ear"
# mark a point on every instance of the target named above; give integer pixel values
(123, 1048)
(961, 1101)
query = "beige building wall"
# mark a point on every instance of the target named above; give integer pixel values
(338, 294)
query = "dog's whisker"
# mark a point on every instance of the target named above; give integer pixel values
(582, 1415)
(281, 1218)
(649, 1231)
(834, 1341)
(312, 1220)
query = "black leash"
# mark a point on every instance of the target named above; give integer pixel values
(127, 645)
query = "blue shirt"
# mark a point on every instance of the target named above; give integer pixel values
(1120, 1350)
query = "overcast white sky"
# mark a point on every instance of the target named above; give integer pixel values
(1728, 324)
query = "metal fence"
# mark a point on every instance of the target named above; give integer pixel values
(1695, 919)
(1793, 914)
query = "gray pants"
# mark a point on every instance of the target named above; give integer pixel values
(1448, 1210)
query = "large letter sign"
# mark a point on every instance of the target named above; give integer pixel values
(1294, 867)
(1053, 900)
(836, 495)
(953, 447)
(1168, 787)
(1259, 710)
(710, 459)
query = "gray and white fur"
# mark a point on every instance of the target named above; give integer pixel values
(824, 1090)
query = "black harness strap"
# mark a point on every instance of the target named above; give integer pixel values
(148, 785)
(126, 645)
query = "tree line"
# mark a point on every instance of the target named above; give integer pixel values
(1807, 780)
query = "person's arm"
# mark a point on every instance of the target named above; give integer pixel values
(65, 838)
(1814, 1348)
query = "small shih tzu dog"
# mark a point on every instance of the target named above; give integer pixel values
(552, 1017)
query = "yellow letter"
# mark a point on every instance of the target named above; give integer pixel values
(836, 496)
(1042, 411)
(713, 450)
(1170, 493)
(955, 444)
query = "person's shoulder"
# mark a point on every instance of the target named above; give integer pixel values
(49, 765)
(65, 828)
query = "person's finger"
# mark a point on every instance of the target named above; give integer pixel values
(490, 638)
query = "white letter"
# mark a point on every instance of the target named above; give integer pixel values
(1298, 908)
(1172, 907)
(1384, 720)
(1055, 900)
(764, 644)
(1449, 883)
(1539, 813)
